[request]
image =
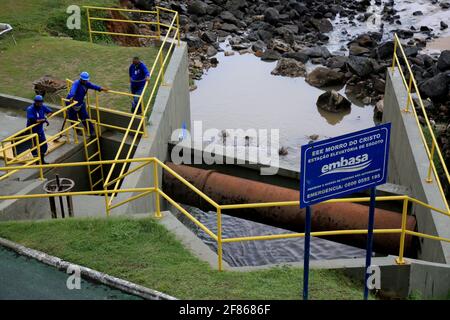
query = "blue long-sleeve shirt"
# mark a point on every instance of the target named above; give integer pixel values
(34, 114)
(138, 73)
(79, 91)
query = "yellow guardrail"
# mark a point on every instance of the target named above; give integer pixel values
(158, 192)
(411, 87)
(171, 37)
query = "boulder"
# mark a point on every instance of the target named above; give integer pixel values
(332, 101)
(211, 51)
(228, 27)
(322, 25)
(386, 50)
(317, 52)
(299, 56)
(436, 87)
(356, 50)
(209, 36)
(337, 62)
(289, 68)
(198, 8)
(227, 16)
(271, 15)
(270, 55)
(324, 77)
(444, 60)
(360, 66)
(259, 46)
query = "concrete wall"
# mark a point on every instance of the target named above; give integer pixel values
(408, 166)
(170, 111)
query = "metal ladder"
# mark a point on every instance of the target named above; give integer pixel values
(94, 170)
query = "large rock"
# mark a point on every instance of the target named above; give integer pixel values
(360, 66)
(332, 101)
(289, 68)
(386, 50)
(271, 15)
(228, 27)
(324, 77)
(271, 55)
(209, 36)
(357, 50)
(299, 56)
(337, 62)
(444, 60)
(227, 16)
(317, 52)
(322, 25)
(198, 8)
(436, 87)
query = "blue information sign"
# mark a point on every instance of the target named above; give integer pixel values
(343, 165)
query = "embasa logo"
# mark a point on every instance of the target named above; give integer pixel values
(347, 165)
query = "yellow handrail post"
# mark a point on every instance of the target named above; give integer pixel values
(156, 186)
(89, 24)
(400, 259)
(158, 25)
(41, 171)
(144, 120)
(178, 28)
(219, 238)
(429, 178)
(88, 106)
(409, 100)
(98, 113)
(395, 53)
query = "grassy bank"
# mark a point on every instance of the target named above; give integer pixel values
(144, 252)
(31, 17)
(39, 52)
(64, 58)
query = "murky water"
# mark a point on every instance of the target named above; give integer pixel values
(241, 93)
(255, 253)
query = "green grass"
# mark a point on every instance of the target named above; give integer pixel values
(30, 17)
(144, 252)
(64, 58)
(38, 54)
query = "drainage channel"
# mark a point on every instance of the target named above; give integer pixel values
(258, 253)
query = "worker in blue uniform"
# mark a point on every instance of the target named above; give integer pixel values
(78, 93)
(139, 75)
(37, 114)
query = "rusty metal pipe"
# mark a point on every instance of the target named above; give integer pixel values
(226, 189)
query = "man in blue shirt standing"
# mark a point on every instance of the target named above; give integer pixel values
(37, 114)
(78, 93)
(139, 75)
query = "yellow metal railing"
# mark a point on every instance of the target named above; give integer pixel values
(158, 192)
(411, 87)
(171, 37)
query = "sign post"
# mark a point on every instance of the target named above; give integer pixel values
(340, 166)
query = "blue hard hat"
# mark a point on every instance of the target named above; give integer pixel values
(38, 98)
(85, 76)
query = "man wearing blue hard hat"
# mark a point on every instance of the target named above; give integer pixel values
(37, 115)
(139, 75)
(77, 93)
